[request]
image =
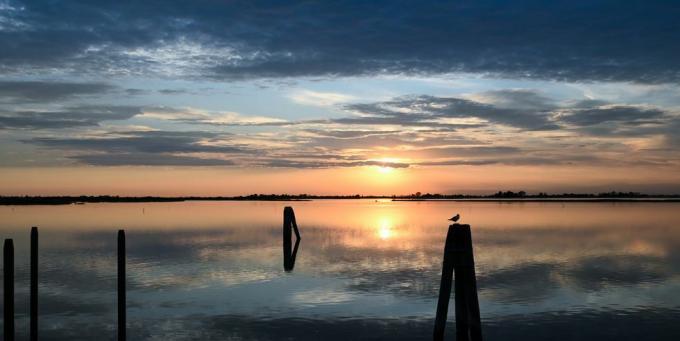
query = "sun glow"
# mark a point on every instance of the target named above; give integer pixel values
(385, 166)
(385, 169)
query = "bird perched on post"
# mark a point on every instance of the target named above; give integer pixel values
(455, 218)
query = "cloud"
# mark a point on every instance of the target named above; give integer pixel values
(148, 159)
(16, 92)
(69, 117)
(562, 40)
(526, 99)
(350, 134)
(194, 116)
(611, 113)
(501, 127)
(136, 92)
(148, 148)
(287, 163)
(323, 99)
(424, 110)
(144, 142)
(173, 91)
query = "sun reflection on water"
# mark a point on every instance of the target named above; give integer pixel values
(385, 228)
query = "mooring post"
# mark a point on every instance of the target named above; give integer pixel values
(8, 272)
(468, 321)
(289, 225)
(444, 288)
(459, 260)
(121, 285)
(287, 234)
(293, 223)
(34, 285)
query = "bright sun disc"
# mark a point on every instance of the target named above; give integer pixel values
(385, 170)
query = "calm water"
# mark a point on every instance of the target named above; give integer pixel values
(364, 270)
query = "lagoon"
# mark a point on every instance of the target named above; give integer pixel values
(365, 269)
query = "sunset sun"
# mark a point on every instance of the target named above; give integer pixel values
(384, 169)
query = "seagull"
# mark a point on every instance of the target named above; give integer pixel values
(455, 218)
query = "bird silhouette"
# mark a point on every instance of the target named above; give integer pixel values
(455, 218)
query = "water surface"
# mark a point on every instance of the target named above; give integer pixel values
(364, 270)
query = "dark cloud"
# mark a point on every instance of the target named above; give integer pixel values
(70, 117)
(350, 134)
(172, 91)
(523, 159)
(16, 92)
(413, 139)
(472, 151)
(146, 148)
(519, 99)
(560, 40)
(426, 110)
(144, 142)
(136, 92)
(288, 163)
(148, 159)
(631, 115)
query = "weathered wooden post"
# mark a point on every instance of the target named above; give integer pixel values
(121, 285)
(459, 260)
(34, 284)
(289, 225)
(8, 272)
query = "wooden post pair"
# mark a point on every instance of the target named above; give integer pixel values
(459, 260)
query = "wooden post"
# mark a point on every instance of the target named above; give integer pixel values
(121, 286)
(444, 288)
(289, 225)
(459, 259)
(8, 272)
(34, 285)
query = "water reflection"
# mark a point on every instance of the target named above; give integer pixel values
(385, 228)
(210, 270)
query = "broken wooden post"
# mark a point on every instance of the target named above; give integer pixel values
(121, 285)
(289, 225)
(34, 285)
(459, 260)
(8, 273)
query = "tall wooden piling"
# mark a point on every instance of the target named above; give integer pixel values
(459, 260)
(34, 285)
(289, 225)
(8, 272)
(121, 286)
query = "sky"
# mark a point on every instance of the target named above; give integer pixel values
(344, 97)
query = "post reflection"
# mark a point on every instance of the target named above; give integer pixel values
(289, 257)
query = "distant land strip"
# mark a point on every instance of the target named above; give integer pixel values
(507, 196)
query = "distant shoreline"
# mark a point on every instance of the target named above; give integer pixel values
(79, 200)
(651, 199)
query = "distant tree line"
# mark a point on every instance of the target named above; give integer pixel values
(64, 200)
